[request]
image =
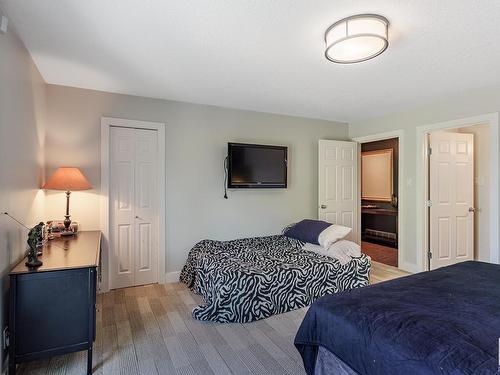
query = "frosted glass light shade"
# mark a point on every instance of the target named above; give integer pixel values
(357, 38)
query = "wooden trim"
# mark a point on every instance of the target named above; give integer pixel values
(491, 119)
(400, 135)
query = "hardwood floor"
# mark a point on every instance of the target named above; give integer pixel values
(382, 272)
(380, 253)
(148, 330)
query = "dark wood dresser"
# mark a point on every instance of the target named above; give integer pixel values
(52, 308)
(380, 225)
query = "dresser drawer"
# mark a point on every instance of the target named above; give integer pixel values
(52, 312)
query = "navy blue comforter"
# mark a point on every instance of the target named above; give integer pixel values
(445, 321)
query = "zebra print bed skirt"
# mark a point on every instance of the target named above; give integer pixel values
(254, 278)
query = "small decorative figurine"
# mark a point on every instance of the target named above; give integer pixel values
(33, 240)
(74, 227)
(50, 233)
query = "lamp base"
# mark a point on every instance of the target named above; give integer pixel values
(33, 263)
(67, 233)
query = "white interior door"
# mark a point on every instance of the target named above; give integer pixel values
(451, 190)
(338, 187)
(133, 207)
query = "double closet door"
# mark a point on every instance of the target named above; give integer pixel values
(133, 207)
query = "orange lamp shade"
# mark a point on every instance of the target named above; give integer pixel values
(67, 178)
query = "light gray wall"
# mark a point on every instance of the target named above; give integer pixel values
(22, 134)
(196, 143)
(486, 100)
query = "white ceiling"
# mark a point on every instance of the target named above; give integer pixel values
(264, 55)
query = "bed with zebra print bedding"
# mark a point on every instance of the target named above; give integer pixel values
(250, 279)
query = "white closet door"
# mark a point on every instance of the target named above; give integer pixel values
(452, 197)
(133, 206)
(122, 147)
(338, 187)
(146, 203)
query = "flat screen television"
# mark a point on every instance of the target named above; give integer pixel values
(256, 166)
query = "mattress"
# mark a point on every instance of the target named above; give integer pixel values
(250, 279)
(445, 321)
(328, 363)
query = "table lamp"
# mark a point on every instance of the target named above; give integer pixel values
(68, 179)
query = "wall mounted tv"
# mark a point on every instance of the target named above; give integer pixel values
(256, 166)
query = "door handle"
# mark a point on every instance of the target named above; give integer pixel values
(472, 209)
(323, 206)
(137, 217)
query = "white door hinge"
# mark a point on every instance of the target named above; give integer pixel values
(428, 203)
(429, 151)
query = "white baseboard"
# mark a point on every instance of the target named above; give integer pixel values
(408, 267)
(172, 277)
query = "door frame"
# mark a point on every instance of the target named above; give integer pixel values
(400, 135)
(422, 179)
(106, 124)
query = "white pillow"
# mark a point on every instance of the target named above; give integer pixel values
(341, 250)
(332, 234)
(315, 248)
(349, 248)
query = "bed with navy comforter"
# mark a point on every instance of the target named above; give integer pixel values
(253, 278)
(445, 321)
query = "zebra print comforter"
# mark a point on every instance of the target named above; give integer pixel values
(254, 278)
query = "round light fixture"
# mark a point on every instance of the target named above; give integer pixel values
(357, 38)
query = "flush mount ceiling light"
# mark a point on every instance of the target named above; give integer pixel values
(357, 38)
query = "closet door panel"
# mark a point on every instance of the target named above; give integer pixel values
(146, 202)
(122, 196)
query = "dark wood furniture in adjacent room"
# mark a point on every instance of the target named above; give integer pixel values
(52, 308)
(380, 225)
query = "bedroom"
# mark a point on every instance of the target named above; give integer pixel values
(66, 67)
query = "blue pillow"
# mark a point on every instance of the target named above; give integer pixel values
(307, 230)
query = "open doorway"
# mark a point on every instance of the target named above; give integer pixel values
(458, 216)
(379, 200)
